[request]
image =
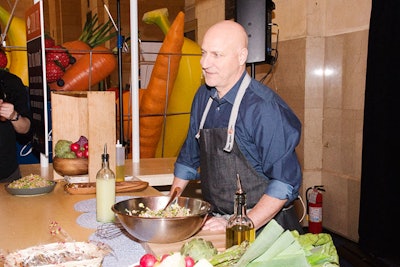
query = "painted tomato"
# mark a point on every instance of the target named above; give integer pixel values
(75, 147)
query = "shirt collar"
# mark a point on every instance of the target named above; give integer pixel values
(231, 95)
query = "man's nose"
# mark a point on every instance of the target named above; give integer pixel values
(204, 61)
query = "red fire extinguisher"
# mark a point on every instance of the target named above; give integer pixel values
(314, 207)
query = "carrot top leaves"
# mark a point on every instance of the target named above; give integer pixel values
(95, 33)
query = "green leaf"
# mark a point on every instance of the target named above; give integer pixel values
(262, 243)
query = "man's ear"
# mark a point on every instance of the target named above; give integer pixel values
(243, 56)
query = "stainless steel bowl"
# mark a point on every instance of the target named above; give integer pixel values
(162, 230)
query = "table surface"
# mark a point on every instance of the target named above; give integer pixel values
(25, 220)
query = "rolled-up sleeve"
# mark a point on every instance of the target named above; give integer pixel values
(270, 145)
(188, 160)
(185, 172)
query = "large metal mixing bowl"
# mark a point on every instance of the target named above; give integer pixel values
(162, 230)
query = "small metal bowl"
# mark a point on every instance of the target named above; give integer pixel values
(162, 230)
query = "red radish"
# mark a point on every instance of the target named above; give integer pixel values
(189, 261)
(148, 260)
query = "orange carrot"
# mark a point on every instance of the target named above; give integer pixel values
(153, 101)
(88, 71)
(76, 48)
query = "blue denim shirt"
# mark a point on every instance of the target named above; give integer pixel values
(267, 133)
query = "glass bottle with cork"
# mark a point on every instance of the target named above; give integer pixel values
(105, 190)
(239, 227)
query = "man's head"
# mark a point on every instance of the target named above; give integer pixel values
(224, 55)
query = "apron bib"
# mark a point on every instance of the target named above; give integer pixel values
(218, 170)
(221, 161)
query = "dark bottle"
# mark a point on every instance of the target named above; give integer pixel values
(239, 227)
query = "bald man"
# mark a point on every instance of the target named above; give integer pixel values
(239, 126)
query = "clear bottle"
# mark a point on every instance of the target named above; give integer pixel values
(120, 162)
(105, 190)
(240, 227)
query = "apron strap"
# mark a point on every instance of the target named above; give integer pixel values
(234, 113)
(203, 118)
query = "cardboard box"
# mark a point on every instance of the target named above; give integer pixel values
(88, 113)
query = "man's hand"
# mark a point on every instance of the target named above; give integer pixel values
(215, 224)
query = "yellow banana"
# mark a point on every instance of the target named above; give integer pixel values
(8, 54)
(185, 86)
(16, 45)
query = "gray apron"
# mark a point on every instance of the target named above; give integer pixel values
(220, 162)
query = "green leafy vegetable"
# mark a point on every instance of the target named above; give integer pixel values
(262, 243)
(230, 256)
(198, 248)
(286, 251)
(319, 249)
(62, 148)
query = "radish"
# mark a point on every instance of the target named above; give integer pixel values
(148, 260)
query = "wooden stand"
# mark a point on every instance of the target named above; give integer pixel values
(88, 113)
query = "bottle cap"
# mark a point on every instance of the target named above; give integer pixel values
(239, 189)
(105, 155)
(118, 144)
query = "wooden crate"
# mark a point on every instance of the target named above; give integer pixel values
(88, 113)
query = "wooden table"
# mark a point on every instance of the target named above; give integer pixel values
(25, 220)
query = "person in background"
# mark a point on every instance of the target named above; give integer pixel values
(239, 126)
(15, 118)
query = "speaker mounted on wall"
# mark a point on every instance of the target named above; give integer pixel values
(256, 18)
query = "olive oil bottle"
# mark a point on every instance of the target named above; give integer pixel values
(239, 227)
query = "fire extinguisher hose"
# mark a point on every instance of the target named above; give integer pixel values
(304, 209)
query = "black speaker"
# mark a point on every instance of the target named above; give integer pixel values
(256, 18)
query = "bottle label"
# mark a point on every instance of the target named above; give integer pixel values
(315, 214)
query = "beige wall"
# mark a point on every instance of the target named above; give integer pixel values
(335, 39)
(320, 72)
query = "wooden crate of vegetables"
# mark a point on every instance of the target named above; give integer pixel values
(88, 113)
